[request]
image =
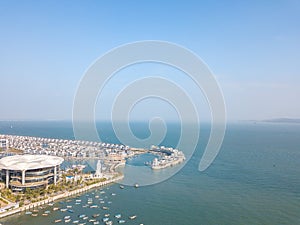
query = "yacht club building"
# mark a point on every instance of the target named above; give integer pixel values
(29, 171)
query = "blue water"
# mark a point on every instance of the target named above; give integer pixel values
(254, 180)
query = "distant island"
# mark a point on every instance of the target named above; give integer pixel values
(281, 120)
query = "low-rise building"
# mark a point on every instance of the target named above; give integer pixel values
(19, 172)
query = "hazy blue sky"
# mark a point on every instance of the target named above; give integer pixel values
(252, 47)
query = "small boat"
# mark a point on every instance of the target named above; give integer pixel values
(57, 221)
(121, 186)
(96, 222)
(35, 210)
(47, 211)
(85, 218)
(132, 217)
(107, 215)
(96, 215)
(78, 200)
(69, 206)
(105, 208)
(67, 221)
(70, 210)
(97, 196)
(76, 221)
(45, 214)
(94, 206)
(81, 216)
(121, 221)
(109, 222)
(55, 208)
(92, 220)
(63, 210)
(136, 185)
(118, 216)
(28, 213)
(113, 194)
(50, 204)
(67, 217)
(35, 214)
(105, 219)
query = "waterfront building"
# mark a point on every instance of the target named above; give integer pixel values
(3, 144)
(19, 172)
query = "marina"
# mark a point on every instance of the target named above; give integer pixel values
(111, 156)
(94, 215)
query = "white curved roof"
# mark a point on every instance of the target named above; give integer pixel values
(28, 162)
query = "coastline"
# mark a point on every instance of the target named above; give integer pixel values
(60, 196)
(114, 156)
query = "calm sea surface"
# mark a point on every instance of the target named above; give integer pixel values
(254, 180)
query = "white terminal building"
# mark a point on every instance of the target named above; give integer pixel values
(29, 171)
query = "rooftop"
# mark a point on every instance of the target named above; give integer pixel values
(29, 162)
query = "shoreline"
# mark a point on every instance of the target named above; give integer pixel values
(59, 196)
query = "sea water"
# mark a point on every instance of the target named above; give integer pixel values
(255, 179)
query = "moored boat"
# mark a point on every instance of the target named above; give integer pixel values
(105, 219)
(118, 216)
(132, 217)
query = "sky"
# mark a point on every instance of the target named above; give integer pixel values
(251, 47)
